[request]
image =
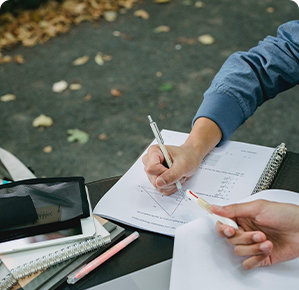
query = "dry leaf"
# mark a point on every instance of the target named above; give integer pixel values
(162, 28)
(128, 4)
(5, 59)
(42, 121)
(199, 4)
(81, 60)
(48, 149)
(59, 86)
(30, 41)
(141, 13)
(270, 9)
(54, 17)
(161, 1)
(99, 58)
(116, 33)
(103, 137)
(19, 59)
(115, 93)
(107, 57)
(206, 39)
(7, 98)
(75, 87)
(87, 98)
(110, 16)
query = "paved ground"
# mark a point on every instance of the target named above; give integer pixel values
(138, 54)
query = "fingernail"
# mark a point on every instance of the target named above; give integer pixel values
(227, 232)
(257, 238)
(160, 182)
(217, 207)
(264, 247)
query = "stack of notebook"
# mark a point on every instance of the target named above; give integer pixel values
(27, 263)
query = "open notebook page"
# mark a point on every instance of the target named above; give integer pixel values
(229, 173)
(203, 260)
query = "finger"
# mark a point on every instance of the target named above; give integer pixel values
(256, 261)
(153, 162)
(247, 238)
(264, 248)
(225, 231)
(167, 190)
(248, 209)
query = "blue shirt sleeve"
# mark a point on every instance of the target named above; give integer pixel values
(247, 79)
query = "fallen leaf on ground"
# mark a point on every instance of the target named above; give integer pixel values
(19, 59)
(199, 4)
(166, 87)
(115, 93)
(42, 121)
(99, 58)
(31, 27)
(48, 149)
(187, 2)
(8, 98)
(270, 9)
(103, 137)
(87, 98)
(5, 59)
(59, 87)
(206, 39)
(141, 13)
(162, 28)
(161, 1)
(190, 41)
(110, 16)
(116, 33)
(81, 60)
(77, 135)
(75, 87)
(107, 57)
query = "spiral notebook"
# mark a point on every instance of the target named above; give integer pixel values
(227, 174)
(23, 264)
(271, 169)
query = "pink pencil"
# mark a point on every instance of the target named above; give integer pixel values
(83, 271)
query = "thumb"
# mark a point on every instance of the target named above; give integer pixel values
(168, 177)
(245, 210)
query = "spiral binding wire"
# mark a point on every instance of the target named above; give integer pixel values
(271, 168)
(51, 260)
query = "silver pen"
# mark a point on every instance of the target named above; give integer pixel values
(164, 151)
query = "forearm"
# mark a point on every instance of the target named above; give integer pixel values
(247, 79)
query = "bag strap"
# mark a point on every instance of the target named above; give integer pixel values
(11, 167)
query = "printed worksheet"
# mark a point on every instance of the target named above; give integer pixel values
(228, 174)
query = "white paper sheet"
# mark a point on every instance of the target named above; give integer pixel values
(227, 174)
(203, 260)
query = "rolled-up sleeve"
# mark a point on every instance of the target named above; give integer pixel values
(247, 79)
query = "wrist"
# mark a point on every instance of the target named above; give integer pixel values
(204, 136)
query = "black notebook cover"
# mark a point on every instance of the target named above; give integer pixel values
(287, 176)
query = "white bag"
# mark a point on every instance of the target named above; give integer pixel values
(11, 167)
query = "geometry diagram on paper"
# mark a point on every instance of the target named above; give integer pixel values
(168, 204)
